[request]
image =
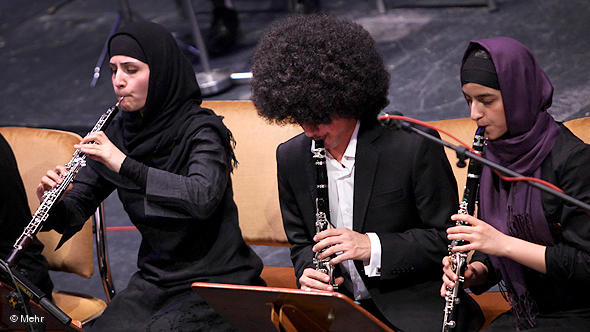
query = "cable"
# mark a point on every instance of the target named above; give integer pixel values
(503, 177)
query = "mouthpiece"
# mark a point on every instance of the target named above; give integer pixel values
(118, 102)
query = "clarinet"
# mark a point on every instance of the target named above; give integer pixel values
(50, 197)
(322, 206)
(459, 259)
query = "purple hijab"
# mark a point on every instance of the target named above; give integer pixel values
(516, 208)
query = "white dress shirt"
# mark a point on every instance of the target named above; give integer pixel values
(341, 197)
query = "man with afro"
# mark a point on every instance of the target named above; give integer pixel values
(390, 193)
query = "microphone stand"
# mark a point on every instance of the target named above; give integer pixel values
(22, 285)
(464, 153)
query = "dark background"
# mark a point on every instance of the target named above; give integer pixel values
(49, 48)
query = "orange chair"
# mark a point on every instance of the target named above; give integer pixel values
(36, 151)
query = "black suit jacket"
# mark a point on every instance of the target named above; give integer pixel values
(405, 192)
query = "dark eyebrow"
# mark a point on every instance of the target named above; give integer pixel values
(124, 63)
(482, 95)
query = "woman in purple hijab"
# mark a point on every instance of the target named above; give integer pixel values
(536, 246)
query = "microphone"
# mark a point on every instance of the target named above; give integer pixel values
(394, 123)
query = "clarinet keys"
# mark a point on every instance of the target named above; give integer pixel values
(52, 196)
(458, 259)
(322, 205)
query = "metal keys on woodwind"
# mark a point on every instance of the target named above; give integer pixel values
(322, 206)
(459, 259)
(50, 197)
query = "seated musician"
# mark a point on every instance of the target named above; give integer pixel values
(170, 161)
(390, 193)
(535, 244)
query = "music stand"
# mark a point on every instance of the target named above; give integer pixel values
(257, 308)
(12, 319)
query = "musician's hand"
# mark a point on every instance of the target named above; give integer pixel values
(103, 150)
(475, 274)
(316, 280)
(480, 235)
(50, 180)
(448, 276)
(351, 244)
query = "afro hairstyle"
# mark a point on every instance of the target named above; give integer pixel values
(308, 68)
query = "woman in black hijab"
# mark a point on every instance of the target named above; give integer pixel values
(170, 161)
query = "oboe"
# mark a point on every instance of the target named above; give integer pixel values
(50, 197)
(322, 206)
(459, 259)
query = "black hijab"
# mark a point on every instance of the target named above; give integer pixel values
(172, 114)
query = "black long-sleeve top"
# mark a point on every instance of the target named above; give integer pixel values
(566, 284)
(188, 220)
